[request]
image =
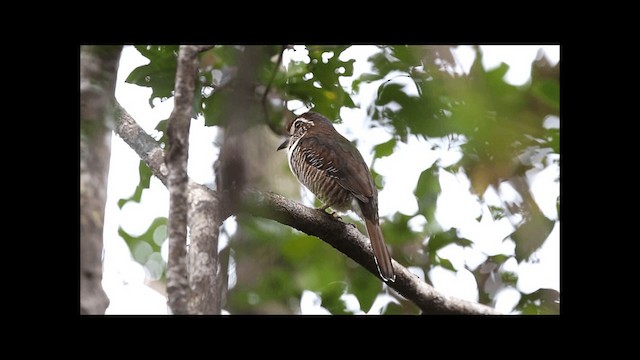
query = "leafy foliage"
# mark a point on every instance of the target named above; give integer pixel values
(146, 247)
(160, 73)
(145, 180)
(540, 302)
(502, 126)
(498, 127)
(322, 89)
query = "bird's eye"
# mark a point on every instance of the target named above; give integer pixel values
(297, 124)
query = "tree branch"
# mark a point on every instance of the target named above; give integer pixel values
(351, 242)
(317, 223)
(176, 158)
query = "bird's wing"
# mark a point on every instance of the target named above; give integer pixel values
(341, 161)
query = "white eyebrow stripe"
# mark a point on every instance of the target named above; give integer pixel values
(292, 130)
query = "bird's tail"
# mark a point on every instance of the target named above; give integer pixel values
(382, 256)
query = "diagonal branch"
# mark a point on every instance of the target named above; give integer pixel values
(343, 237)
(349, 241)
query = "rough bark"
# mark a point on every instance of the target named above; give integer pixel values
(177, 157)
(341, 236)
(98, 73)
(205, 218)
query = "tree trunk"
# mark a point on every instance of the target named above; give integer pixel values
(98, 73)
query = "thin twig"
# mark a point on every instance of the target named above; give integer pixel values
(268, 121)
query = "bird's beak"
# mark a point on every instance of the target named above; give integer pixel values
(284, 144)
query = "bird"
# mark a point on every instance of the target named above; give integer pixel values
(332, 168)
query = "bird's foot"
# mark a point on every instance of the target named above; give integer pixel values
(334, 214)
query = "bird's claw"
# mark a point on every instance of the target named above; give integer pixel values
(334, 214)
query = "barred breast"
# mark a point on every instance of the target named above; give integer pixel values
(312, 171)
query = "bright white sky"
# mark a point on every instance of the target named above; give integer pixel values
(124, 279)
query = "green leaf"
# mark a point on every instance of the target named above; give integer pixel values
(378, 179)
(548, 91)
(499, 72)
(499, 259)
(162, 128)
(464, 242)
(365, 77)
(324, 101)
(331, 301)
(368, 77)
(408, 55)
(388, 92)
(226, 55)
(540, 302)
(509, 277)
(159, 74)
(143, 247)
(553, 140)
(442, 239)
(213, 107)
(145, 180)
(397, 231)
(384, 149)
(426, 192)
(300, 247)
(530, 236)
(445, 263)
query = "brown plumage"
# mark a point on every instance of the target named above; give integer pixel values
(333, 169)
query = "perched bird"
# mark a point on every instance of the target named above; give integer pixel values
(333, 169)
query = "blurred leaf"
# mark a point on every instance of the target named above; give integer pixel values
(540, 302)
(426, 192)
(162, 127)
(396, 230)
(331, 298)
(226, 55)
(497, 213)
(383, 63)
(384, 149)
(464, 242)
(368, 77)
(440, 240)
(553, 140)
(160, 73)
(300, 247)
(530, 236)
(145, 180)
(214, 106)
(409, 55)
(499, 259)
(378, 179)
(548, 91)
(388, 92)
(445, 263)
(145, 248)
(498, 73)
(509, 277)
